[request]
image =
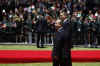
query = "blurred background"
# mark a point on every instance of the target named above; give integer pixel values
(21, 21)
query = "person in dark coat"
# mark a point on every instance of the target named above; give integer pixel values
(79, 30)
(98, 31)
(41, 28)
(93, 34)
(86, 32)
(18, 23)
(61, 54)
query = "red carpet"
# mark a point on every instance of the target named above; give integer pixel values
(29, 56)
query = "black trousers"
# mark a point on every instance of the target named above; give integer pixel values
(63, 59)
(40, 36)
(93, 39)
(98, 39)
(61, 54)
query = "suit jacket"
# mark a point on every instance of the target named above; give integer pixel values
(63, 39)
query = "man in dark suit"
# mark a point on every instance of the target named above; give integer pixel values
(61, 54)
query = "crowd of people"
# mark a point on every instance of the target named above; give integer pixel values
(27, 17)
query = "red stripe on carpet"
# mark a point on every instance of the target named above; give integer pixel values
(31, 56)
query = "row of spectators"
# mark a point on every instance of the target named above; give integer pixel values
(27, 16)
